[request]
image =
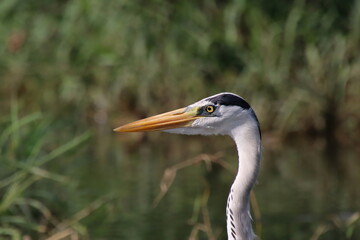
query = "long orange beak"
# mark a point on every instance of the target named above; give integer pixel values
(173, 119)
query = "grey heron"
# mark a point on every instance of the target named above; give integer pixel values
(220, 114)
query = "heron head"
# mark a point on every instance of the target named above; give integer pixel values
(217, 114)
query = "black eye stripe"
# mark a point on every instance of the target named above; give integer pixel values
(229, 100)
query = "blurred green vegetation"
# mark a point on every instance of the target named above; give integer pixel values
(68, 68)
(297, 62)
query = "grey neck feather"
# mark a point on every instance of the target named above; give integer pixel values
(247, 139)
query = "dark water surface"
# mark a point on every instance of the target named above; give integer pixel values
(302, 193)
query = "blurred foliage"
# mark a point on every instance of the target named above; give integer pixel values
(297, 62)
(25, 181)
(89, 64)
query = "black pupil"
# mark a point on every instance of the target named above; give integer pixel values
(210, 108)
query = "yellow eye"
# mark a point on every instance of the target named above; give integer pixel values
(209, 109)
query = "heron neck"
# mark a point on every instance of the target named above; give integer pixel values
(247, 139)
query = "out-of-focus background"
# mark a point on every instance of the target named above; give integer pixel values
(71, 71)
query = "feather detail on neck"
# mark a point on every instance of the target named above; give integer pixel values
(248, 143)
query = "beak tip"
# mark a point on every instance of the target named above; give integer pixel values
(118, 129)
